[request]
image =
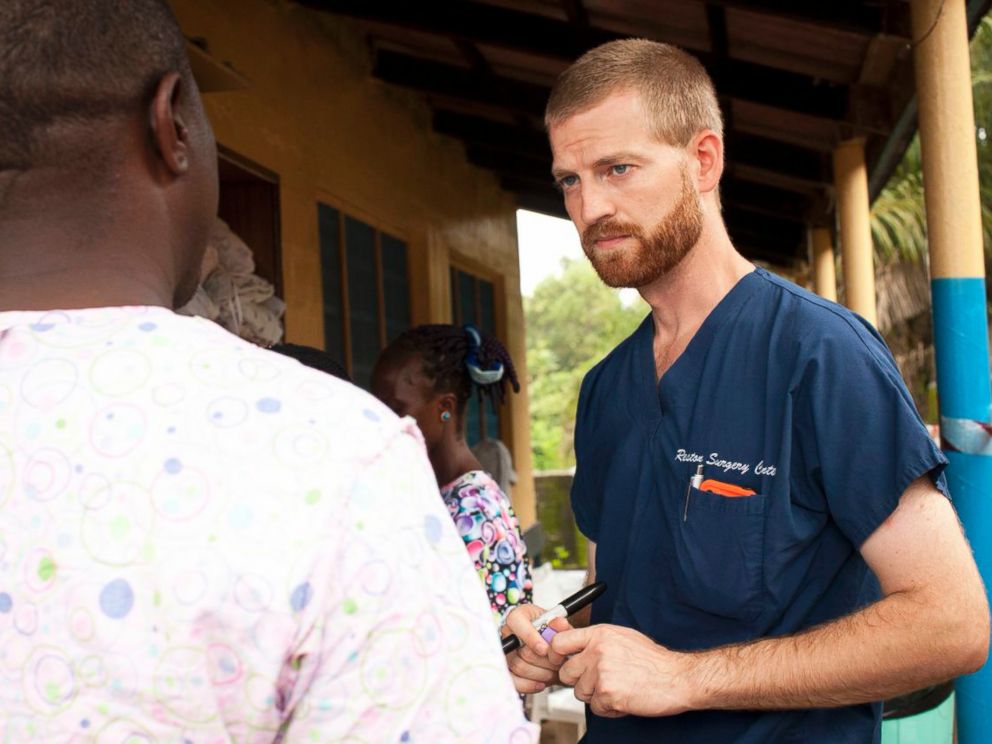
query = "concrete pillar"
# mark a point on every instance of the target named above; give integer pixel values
(822, 260)
(954, 229)
(853, 209)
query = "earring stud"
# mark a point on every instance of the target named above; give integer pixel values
(446, 416)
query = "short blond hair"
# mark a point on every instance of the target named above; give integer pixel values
(677, 92)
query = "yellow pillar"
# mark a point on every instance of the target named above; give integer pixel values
(947, 138)
(960, 317)
(853, 208)
(824, 272)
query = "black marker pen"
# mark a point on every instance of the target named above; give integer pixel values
(566, 607)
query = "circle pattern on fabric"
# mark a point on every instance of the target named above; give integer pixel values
(46, 475)
(6, 474)
(300, 597)
(301, 447)
(116, 532)
(227, 412)
(180, 493)
(120, 372)
(117, 599)
(179, 684)
(268, 405)
(49, 682)
(39, 570)
(169, 394)
(225, 665)
(116, 430)
(393, 673)
(49, 383)
(252, 593)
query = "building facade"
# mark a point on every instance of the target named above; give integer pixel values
(365, 219)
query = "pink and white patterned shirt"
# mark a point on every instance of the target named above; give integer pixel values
(204, 542)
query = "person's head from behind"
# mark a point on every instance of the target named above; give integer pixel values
(312, 357)
(430, 372)
(636, 134)
(103, 128)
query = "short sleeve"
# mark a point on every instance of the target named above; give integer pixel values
(587, 486)
(860, 435)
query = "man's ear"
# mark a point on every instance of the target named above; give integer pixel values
(707, 149)
(169, 132)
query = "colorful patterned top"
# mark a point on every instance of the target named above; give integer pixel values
(202, 541)
(485, 520)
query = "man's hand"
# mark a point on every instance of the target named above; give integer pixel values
(619, 671)
(534, 665)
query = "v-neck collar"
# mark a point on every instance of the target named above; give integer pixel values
(689, 362)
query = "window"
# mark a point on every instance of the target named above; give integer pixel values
(366, 290)
(473, 300)
(249, 203)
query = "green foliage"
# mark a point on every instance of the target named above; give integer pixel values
(898, 215)
(565, 546)
(561, 557)
(573, 321)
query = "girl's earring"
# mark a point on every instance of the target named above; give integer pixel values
(445, 416)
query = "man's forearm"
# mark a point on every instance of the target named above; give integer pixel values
(886, 649)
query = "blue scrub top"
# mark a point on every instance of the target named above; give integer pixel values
(780, 392)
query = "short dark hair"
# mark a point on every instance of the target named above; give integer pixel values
(312, 357)
(76, 61)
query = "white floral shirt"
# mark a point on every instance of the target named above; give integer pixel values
(204, 542)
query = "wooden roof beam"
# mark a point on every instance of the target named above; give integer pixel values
(455, 82)
(773, 88)
(486, 24)
(478, 22)
(576, 13)
(767, 200)
(854, 16)
(493, 141)
(716, 20)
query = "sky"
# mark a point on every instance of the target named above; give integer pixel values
(544, 241)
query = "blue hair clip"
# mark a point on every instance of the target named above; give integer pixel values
(479, 375)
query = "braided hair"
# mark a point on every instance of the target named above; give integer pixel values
(459, 361)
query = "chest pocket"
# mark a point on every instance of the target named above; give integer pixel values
(718, 556)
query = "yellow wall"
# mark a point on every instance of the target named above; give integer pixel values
(314, 116)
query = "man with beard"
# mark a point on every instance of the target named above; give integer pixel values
(758, 490)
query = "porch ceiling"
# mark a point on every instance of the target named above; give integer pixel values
(794, 79)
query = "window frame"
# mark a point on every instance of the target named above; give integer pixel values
(378, 227)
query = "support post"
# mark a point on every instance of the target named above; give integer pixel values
(824, 271)
(853, 207)
(954, 230)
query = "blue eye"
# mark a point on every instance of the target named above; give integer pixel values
(619, 170)
(567, 182)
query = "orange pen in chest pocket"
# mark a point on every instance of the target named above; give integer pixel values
(710, 485)
(729, 490)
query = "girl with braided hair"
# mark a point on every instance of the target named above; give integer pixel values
(429, 373)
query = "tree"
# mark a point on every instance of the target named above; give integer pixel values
(573, 321)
